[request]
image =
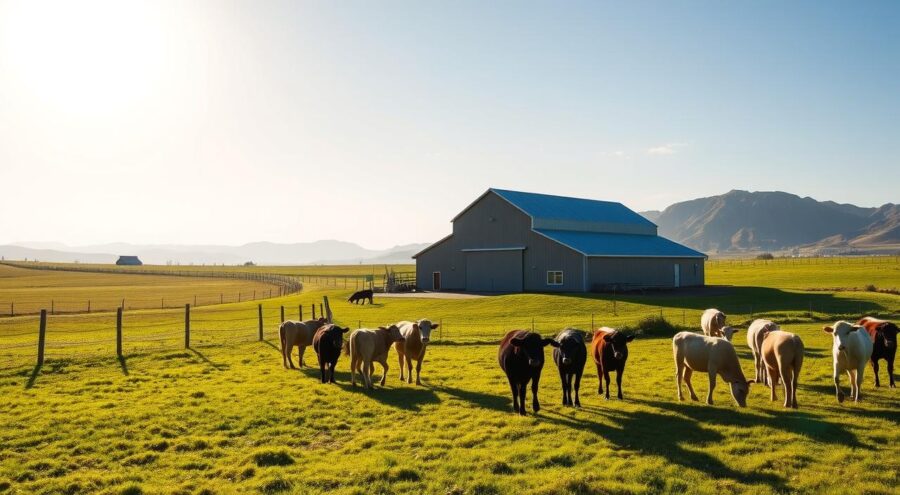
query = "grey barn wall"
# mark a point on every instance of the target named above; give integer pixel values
(647, 272)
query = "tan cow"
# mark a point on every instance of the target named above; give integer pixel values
(782, 355)
(712, 321)
(713, 356)
(297, 333)
(416, 336)
(851, 350)
(755, 335)
(368, 346)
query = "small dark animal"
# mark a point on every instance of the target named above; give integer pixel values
(521, 357)
(884, 338)
(327, 343)
(362, 295)
(570, 357)
(610, 351)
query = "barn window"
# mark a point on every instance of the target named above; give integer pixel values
(554, 277)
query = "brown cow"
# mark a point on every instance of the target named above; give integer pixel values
(782, 355)
(884, 345)
(297, 333)
(416, 336)
(369, 346)
(712, 355)
(609, 348)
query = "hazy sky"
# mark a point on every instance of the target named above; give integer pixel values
(376, 122)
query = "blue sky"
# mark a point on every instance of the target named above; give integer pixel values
(376, 122)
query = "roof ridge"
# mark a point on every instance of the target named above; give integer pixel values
(498, 190)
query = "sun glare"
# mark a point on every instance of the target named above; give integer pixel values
(82, 58)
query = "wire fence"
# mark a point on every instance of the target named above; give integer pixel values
(807, 260)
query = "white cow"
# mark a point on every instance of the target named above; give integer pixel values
(756, 333)
(712, 321)
(851, 350)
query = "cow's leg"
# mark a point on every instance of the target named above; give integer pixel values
(890, 370)
(679, 371)
(288, 350)
(409, 369)
(523, 386)
(569, 378)
(400, 360)
(578, 386)
(712, 384)
(322, 371)
(837, 384)
(875, 371)
(515, 393)
(688, 373)
(599, 379)
(606, 379)
(772, 383)
(371, 374)
(353, 364)
(301, 350)
(619, 374)
(562, 381)
(859, 382)
(383, 375)
(852, 375)
(534, 393)
(786, 372)
(419, 370)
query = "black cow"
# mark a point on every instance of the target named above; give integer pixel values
(570, 357)
(884, 345)
(327, 343)
(362, 295)
(521, 357)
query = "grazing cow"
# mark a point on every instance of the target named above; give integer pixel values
(884, 346)
(297, 333)
(416, 336)
(712, 321)
(570, 357)
(369, 346)
(782, 355)
(327, 343)
(521, 357)
(755, 335)
(851, 350)
(362, 295)
(711, 355)
(609, 349)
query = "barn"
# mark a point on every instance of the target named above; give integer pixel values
(511, 241)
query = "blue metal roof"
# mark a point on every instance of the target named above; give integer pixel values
(573, 209)
(606, 244)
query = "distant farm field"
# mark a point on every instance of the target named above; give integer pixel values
(25, 291)
(225, 417)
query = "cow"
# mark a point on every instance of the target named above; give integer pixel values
(327, 343)
(416, 336)
(884, 345)
(712, 355)
(728, 332)
(521, 357)
(851, 350)
(609, 348)
(782, 355)
(712, 321)
(755, 335)
(297, 333)
(570, 357)
(362, 295)
(367, 346)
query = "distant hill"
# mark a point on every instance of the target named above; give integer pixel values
(264, 253)
(742, 221)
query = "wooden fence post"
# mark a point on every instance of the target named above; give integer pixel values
(89, 305)
(123, 303)
(321, 311)
(441, 329)
(12, 309)
(195, 299)
(328, 315)
(119, 332)
(282, 314)
(162, 303)
(259, 307)
(300, 312)
(314, 311)
(221, 298)
(532, 323)
(41, 337)
(52, 307)
(187, 326)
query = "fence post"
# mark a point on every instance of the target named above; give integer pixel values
(314, 310)
(187, 326)
(123, 303)
(282, 314)
(300, 311)
(254, 295)
(119, 332)
(89, 305)
(441, 329)
(221, 298)
(259, 307)
(532, 323)
(327, 312)
(52, 307)
(12, 309)
(239, 297)
(321, 311)
(41, 337)
(162, 303)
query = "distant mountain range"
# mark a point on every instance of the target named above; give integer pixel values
(263, 253)
(742, 221)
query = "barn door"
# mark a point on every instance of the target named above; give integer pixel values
(436, 281)
(677, 275)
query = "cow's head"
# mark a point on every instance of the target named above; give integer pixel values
(571, 343)
(618, 343)
(887, 333)
(425, 327)
(740, 390)
(533, 346)
(334, 336)
(841, 333)
(728, 332)
(393, 333)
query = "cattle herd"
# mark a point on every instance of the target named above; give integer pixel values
(777, 355)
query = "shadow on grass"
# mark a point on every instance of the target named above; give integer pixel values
(273, 346)
(216, 366)
(404, 397)
(33, 377)
(495, 402)
(123, 365)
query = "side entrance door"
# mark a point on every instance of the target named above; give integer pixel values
(677, 275)
(436, 281)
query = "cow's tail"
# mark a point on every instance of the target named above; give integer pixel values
(346, 347)
(281, 337)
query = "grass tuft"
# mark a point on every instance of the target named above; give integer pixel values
(272, 458)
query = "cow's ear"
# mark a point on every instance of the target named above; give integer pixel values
(607, 338)
(435, 326)
(827, 329)
(735, 330)
(629, 338)
(345, 330)
(517, 342)
(550, 342)
(382, 328)
(855, 328)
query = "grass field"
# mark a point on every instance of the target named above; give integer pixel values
(225, 417)
(25, 291)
